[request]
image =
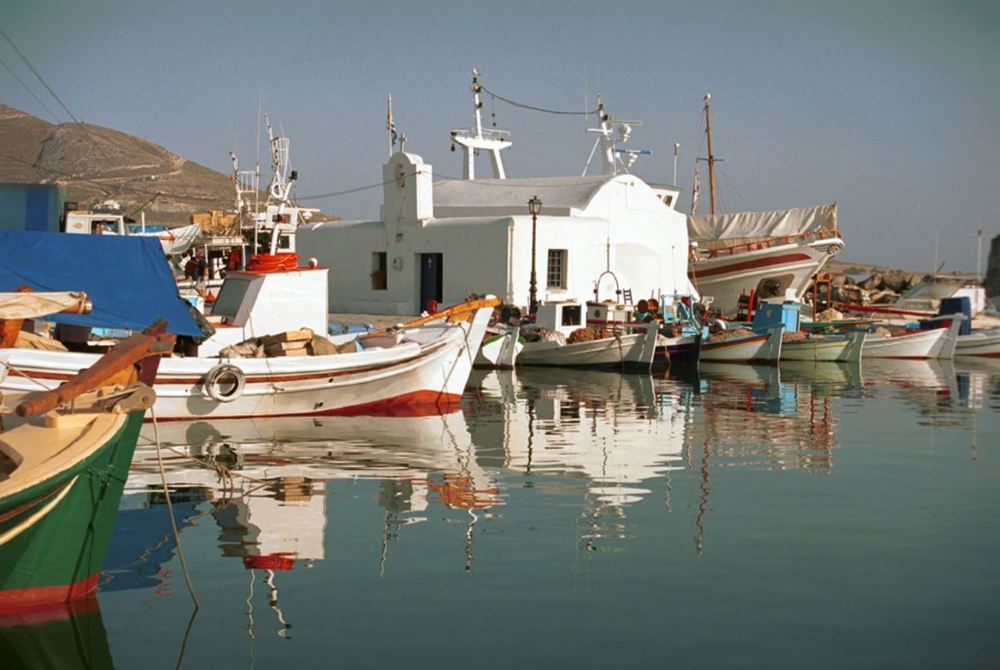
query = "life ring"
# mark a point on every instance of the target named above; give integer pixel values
(218, 386)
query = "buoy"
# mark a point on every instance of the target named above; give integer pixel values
(225, 382)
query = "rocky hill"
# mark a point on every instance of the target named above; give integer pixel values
(96, 164)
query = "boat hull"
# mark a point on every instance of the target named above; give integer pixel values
(922, 344)
(634, 351)
(986, 343)
(725, 277)
(500, 350)
(755, 348)
(684, 350)
(838, 348)
(420, 376)
(54, 532)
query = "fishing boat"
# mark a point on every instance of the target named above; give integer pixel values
(756, 254)
(62, 473)
(979, 343)
(424, 364)
(818, 347)
(404, 371)
(744, 348)
(552, 342)
(939, 342)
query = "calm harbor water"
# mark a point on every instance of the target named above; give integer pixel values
(812, 515)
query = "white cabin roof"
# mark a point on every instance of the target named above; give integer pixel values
(561, 196)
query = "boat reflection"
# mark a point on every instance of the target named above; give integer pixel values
(264, 483)
(58, 636)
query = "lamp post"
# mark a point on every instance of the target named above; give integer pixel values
(534, 206)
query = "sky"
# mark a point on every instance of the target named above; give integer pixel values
(889, 108)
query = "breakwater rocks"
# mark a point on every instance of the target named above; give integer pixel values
(880, 288)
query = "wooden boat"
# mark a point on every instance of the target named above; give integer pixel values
(422, 365)
(61, 474)
(915, 344)
(979, 343)
(753, 348)
(621, 346)
(843, 348)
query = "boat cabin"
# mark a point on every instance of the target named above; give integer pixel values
(256, 303)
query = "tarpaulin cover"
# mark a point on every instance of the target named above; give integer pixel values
(779, 223)
(127, 278)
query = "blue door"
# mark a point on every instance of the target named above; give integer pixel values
(430, 279)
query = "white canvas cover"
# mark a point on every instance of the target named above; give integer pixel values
(748, 225)
(34, 305)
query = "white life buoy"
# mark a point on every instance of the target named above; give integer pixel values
(225, 382)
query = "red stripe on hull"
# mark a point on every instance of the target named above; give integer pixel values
(748, 265)
(418, 403)
(37, 596)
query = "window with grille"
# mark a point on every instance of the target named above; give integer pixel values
(556, 272)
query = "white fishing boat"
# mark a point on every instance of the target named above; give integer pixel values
(617, 346)
(403, 371)
(766, 253)
(750, 348)
(916, 344)
(843, 348)
(979, 343)
(760, 254)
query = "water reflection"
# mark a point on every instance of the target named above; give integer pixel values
(767, 488)
(609, 432)
(610, 438)
(56, 636)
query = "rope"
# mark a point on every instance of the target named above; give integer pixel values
(533, 108)
(170, 510)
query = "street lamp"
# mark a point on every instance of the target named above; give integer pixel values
(534, 207)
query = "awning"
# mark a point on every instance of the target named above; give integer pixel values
(127, 278)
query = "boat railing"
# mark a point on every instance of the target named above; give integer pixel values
(764, 243)
(487, 133)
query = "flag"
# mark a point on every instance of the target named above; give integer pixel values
(695, 191)
(390, 125)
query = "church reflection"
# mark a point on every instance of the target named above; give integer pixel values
(604, 440)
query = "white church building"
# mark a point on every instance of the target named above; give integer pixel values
(444, 241)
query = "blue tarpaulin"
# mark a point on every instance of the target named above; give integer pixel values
(127, 279)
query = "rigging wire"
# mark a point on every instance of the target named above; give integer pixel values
(35, 72)
(534, 108)
(28, 89)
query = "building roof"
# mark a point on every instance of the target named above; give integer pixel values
(559, 195)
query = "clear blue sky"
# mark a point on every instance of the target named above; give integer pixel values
(891, 109)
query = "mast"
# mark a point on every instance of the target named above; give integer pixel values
(711, 157)
(476, 139)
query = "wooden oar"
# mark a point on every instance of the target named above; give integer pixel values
(154, 341)
(450, 313)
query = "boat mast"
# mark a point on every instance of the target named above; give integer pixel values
(476, 139)
(711, 157)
